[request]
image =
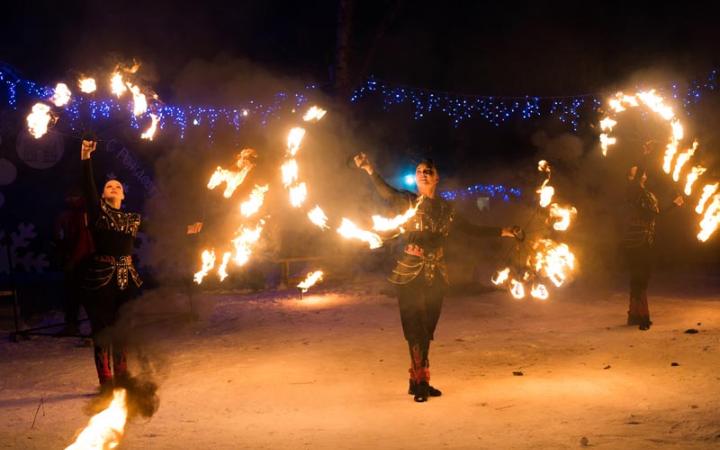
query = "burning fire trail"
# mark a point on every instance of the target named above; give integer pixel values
(314, 113)
(253, 204)
(289, 172)
(709, 222)
(87, 85)
(105, 428)
(539, 291)
(233, 179)
(117, 85)
(351, 231)
(656, 103)
(708, 191)
(546, 193)
(552, 260)
(384, 224)
(318, 217)
(150, 132)
(298, 194)
(139, 101)
(517, 289)
(294, 140)
(310, 281)
(208, 262)
(38, 120)
(501, 276)
(222, 270)
(562, 216)
(62, 95)
(244, 242)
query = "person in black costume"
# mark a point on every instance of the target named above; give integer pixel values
(638, 242)
(110, 279)
(420, 275)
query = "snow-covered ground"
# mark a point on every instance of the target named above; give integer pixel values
(330, 371)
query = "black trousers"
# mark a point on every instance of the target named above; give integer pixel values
(420, 305)
(639, 264)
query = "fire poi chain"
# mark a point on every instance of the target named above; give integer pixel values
(42, 117)
(547, 259)
(674, 162)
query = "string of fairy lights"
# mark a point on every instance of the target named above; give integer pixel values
(459, 108)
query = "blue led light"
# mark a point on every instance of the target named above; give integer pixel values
(409, 180)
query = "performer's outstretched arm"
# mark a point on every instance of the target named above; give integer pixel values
(463, 225)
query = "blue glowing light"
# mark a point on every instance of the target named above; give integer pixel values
(409, 180)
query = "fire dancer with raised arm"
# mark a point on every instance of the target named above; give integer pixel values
(420, 275)
(638, 241)
(111, 279)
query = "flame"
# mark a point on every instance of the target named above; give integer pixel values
(298, 194)
(539, 291)
(708, 191)
(710, 220)
(289, 172)
(546, 193)
(384, 224)
(310, 281)
(543, 166)
(517, 289)
(244, 241)
(351, 231)
(605, 142)
(294, 139)
(670, 151)
(150, 132)
(117, 85)
(318, 217)
(106, 428)
(139, 101)
(314, 113)
(222, 270)
(253, 204)
(231, 178)
(38, 120)
(552, 260)
(562, 216)
(607, 124)
(208, 262)
(677, 130)
(500, 276)
(62, 95)
(87, 85)
(694, 174)
(682, 159)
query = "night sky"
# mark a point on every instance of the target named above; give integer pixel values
(496, 48)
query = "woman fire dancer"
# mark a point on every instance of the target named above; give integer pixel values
(638, 241)
(111, 279)
(420, 275)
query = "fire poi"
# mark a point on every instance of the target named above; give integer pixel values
(547, 259)
(676, 158)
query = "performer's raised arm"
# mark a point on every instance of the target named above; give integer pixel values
(92, 198)
(388, 193)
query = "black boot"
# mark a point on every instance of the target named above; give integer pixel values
(421, 391)
(432, 392)
(633, 320)
(644, 323)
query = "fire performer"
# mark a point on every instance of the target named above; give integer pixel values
(420, 275)
(110, 279)
(638, 242)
